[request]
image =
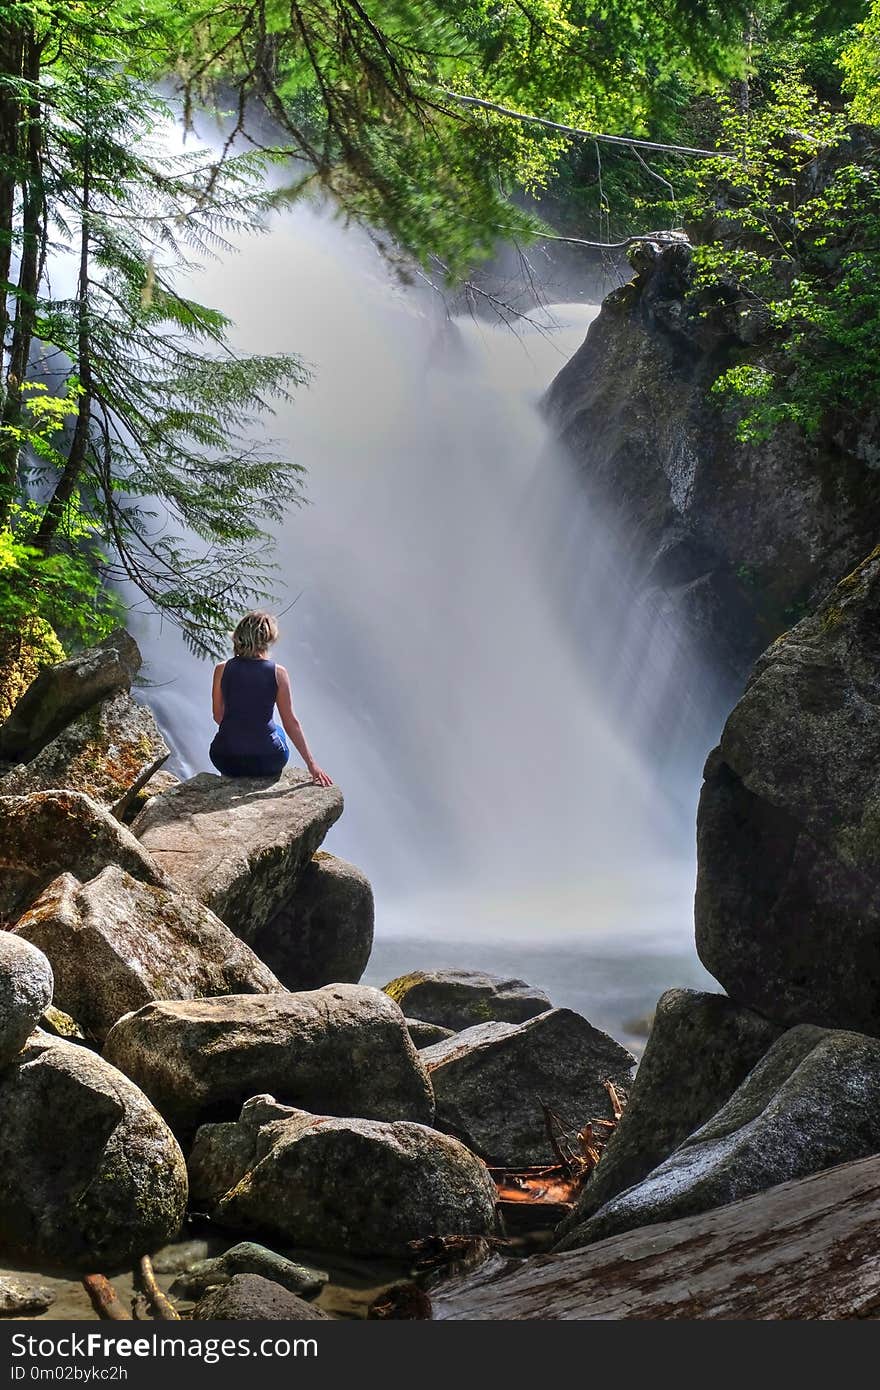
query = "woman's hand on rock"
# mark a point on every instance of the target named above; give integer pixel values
(320, 777)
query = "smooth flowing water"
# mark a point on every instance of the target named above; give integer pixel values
(495, 726)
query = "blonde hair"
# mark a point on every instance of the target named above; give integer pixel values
(255, 634)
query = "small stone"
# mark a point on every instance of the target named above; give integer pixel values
(61, 1025)
(174, 1259)
(250, 1298)
(248, 1258)
(21, 1300)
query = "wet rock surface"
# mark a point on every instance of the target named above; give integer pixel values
(248, 1258)
(20, 1299)
(727, 537)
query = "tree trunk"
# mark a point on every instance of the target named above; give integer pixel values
(76, 457)
(30, 143)
(806, 1250)
(10, 116)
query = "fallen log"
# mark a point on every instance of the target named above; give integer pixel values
(805, 1250)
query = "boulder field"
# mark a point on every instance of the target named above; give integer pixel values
(213, 951)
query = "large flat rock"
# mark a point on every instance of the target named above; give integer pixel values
(805, 1250)
(239, 844)
(56, 832)
(116, 944)
(342, 1050)
(492, 1081)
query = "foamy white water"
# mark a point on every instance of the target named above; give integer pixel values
(482, 722)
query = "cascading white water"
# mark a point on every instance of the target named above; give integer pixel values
(492, 785)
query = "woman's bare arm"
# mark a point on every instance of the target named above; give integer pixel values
(217, 705)
(293, 728)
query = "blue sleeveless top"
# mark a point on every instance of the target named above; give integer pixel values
(249, 693)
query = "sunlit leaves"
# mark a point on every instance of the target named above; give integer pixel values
(861, 63)
(795, 228)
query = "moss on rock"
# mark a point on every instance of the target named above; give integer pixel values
(23, 655)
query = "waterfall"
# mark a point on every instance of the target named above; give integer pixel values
(489, 739)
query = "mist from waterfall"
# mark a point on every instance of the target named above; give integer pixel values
(486, 725)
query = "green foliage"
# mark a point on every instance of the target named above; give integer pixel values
(63, 591)
(861, 64)
(792, 229)
(123, 408)
(360, 93)
(152, 428)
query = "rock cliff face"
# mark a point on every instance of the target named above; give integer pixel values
(737, 541)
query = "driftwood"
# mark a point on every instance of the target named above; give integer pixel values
(105, 1300)
(158, 1303)
(805, 1250)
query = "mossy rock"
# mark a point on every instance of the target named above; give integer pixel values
(23, 655)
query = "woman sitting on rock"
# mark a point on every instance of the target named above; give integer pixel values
(246, 691)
